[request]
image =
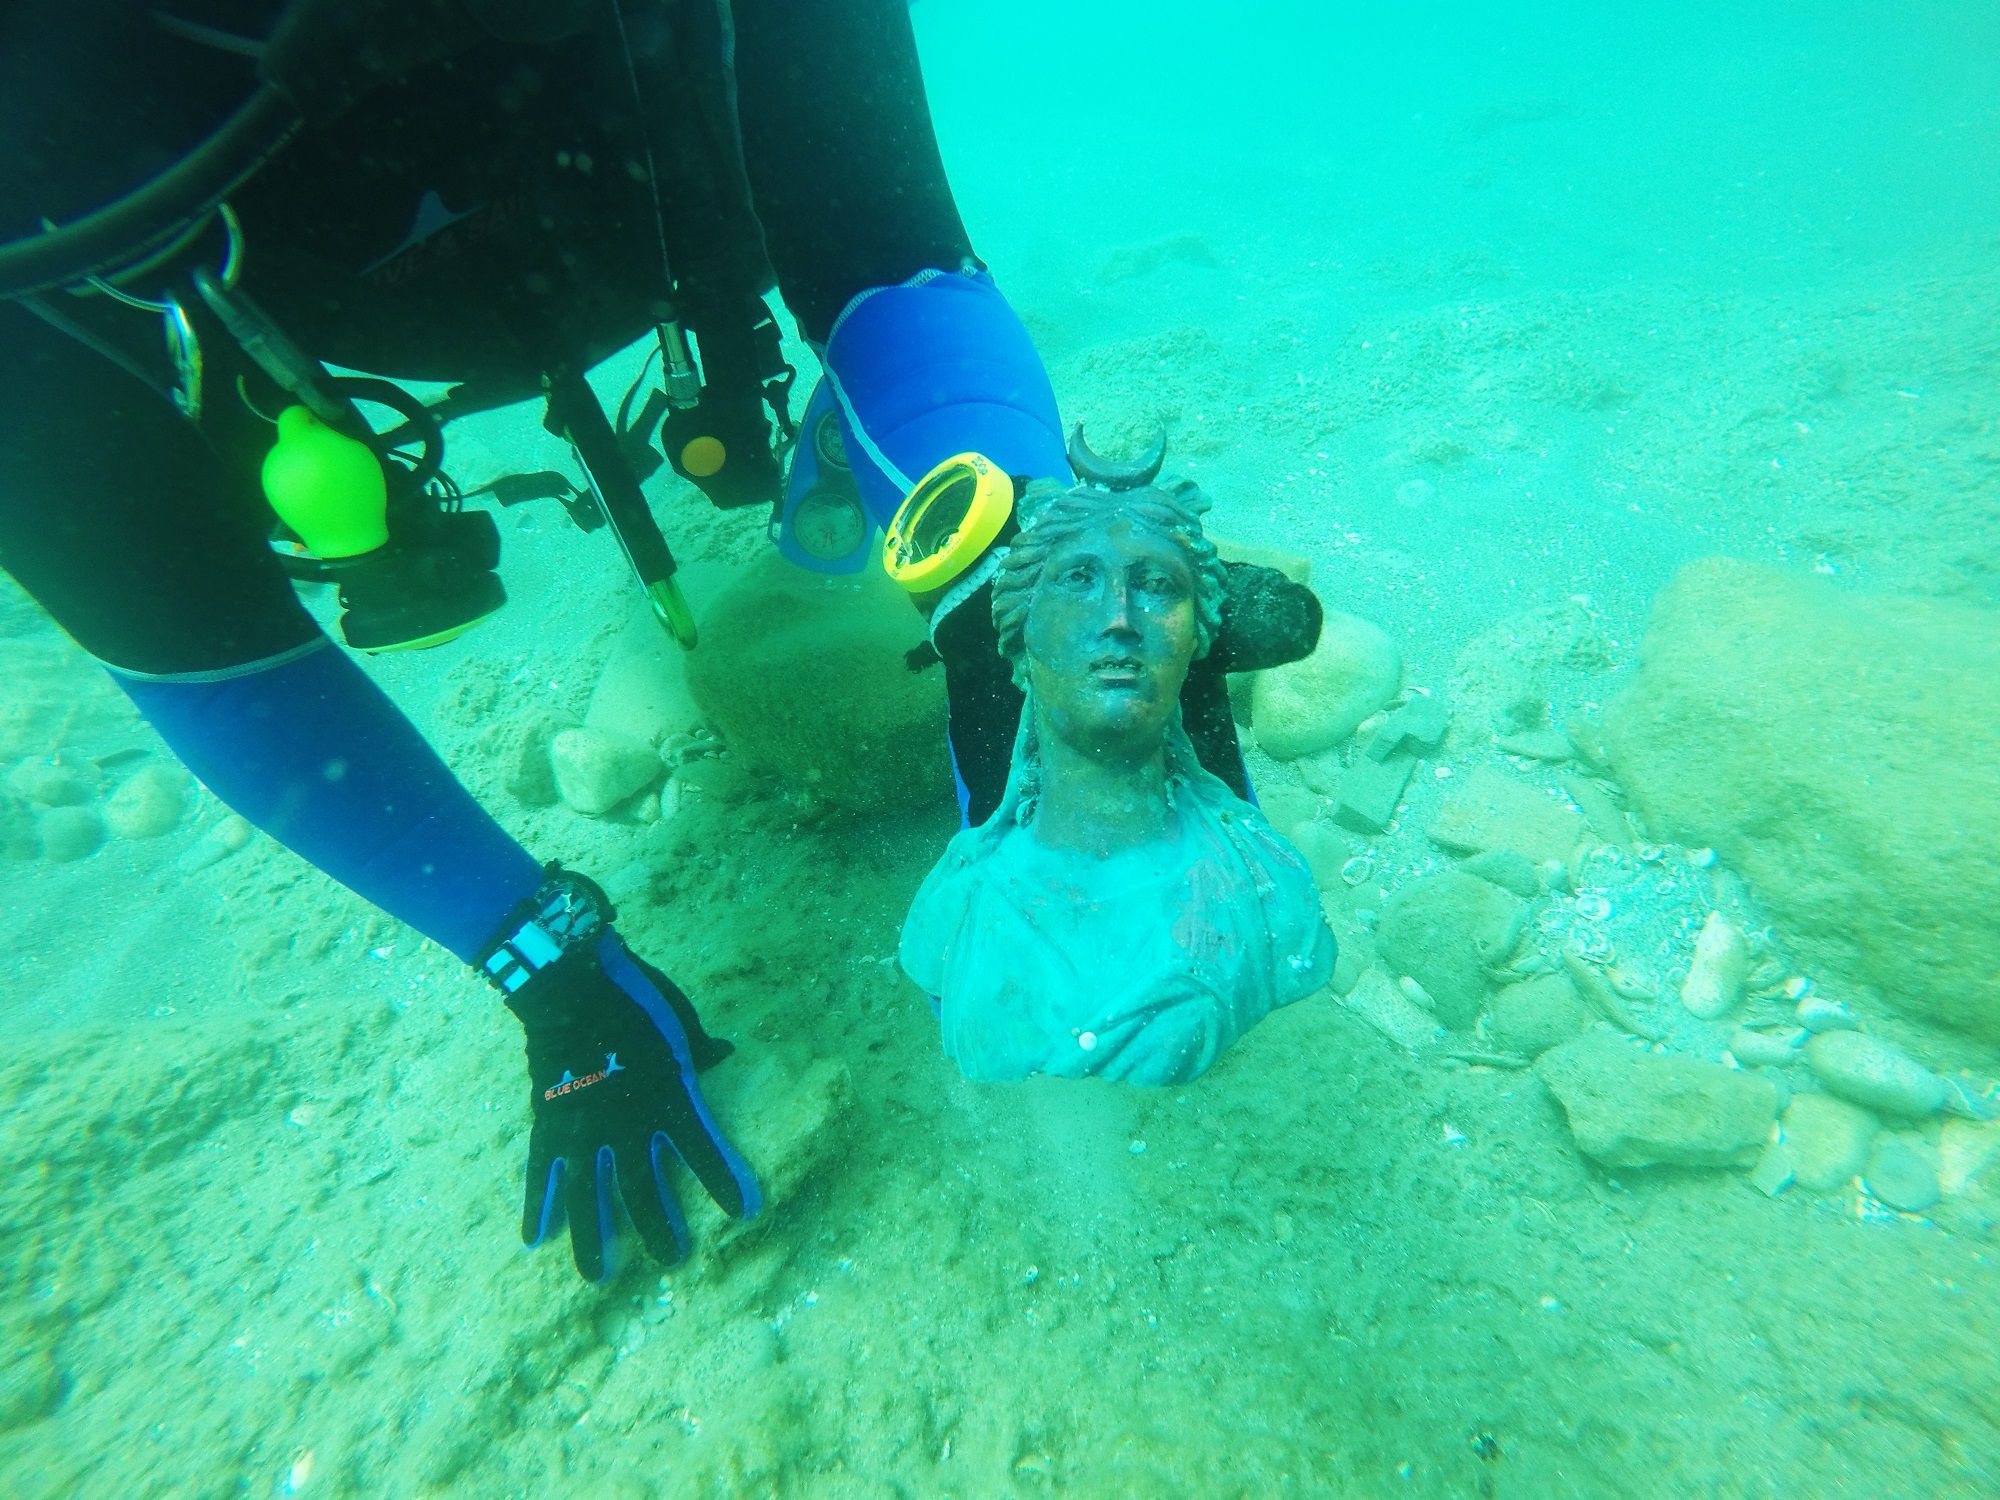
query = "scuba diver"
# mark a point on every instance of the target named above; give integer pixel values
(205, 204)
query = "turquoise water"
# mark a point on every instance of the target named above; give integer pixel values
(1499, 318)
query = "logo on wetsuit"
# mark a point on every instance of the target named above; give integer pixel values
(569, 1083)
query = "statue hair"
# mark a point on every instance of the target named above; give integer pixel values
(1054, 517)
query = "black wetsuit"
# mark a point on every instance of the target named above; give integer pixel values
(458, 224)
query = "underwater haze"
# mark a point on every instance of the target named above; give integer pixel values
(1627, 378)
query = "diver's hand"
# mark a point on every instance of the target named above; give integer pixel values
(612, 1050)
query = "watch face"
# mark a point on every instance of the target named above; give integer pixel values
(828, 443)
(828, 524)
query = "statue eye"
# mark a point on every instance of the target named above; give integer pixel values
(1079, 574)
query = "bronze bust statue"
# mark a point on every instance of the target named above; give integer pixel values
(1122, 914)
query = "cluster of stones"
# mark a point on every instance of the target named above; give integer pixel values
(61, 809)
(1705, 1047)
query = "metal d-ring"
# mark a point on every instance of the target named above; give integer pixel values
(183, 343)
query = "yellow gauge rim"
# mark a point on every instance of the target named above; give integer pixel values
(949, 518)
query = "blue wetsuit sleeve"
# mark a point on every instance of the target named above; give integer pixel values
(313, 753)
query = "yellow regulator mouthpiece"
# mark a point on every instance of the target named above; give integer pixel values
(326, 486)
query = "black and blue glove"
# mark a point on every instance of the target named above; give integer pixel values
(613, 1048)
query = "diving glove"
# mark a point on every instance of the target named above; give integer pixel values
(613, 1047)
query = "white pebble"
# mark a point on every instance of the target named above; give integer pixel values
(1874, 1074)
(1758, 1049)
(1818, 1013)
(1715, 979)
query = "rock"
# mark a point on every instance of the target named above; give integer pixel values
(1314, 704)
(1418, 727)
(1968, 1151)
(1371, 791)
(1601, 995)
(1350, 960)
(719, 776)
(1492, 810)
(642, 692)
(1828, 1140)
(1819, 1013)
(1629, 1108)
(596, 770)
(804, 676)
(1862, 806)
(1721, 960)
(1376, 1000)
(1354, 945)
(69, 833)
(1969, 1174)
(1507, 869)
(48, 784)
(1529, 1018)
(527, 772)
(1586, 736)
(1779, 1082)
(224, 839)
(1444, 931)
(1760, 1049)
(1600, 810)
(1321, 773)
(1773, 1173)
(1874, 1074)
(147, 803)
(1899, 1176)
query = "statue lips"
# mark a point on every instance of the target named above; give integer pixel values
(1126, 673)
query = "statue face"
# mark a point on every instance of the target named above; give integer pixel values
(1109, 635)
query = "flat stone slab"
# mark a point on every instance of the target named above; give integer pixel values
(1372, 790)
(1632, 1108)
(1418, 725)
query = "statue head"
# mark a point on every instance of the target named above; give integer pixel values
(1105, 597)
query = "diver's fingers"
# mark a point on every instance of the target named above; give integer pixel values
(699, 1143)
(592, 1219)
(542, 1205)
(656, 1212)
